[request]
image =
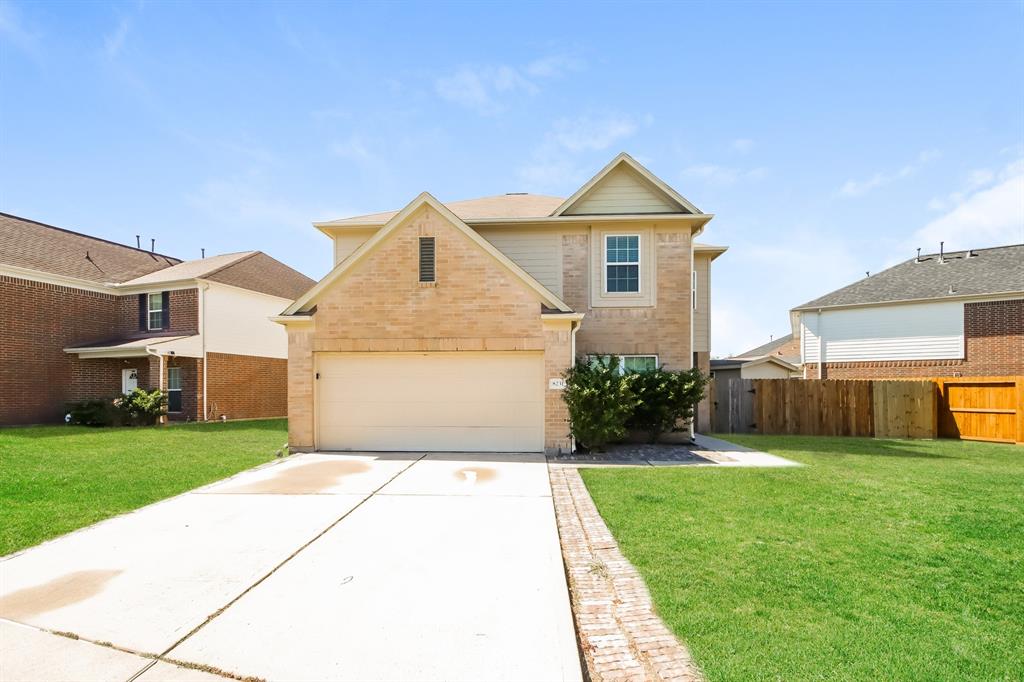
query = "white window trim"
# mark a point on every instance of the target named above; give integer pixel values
(622, 359)
(638, 264)
(170, 390)
(150, 311)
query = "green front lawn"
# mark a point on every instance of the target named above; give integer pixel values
(54, 479)
(879, 560)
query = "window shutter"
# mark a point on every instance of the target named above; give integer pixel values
(427, 270)
(167, 309)
(143, 312)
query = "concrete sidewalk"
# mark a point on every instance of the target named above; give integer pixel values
(320, 567)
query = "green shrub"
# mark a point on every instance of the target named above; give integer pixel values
(600, 401)
(90, 413)
(664, 399)
(140, 407)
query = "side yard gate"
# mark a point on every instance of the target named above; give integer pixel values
(988, 408)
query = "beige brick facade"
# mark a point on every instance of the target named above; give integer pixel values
(662, 329)
(380, 306)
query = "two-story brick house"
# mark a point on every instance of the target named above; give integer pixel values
(84, 318)
(448, 326)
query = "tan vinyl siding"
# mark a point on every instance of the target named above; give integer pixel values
(536, 251)
(702, 315)
(348, 241)
(623, 191)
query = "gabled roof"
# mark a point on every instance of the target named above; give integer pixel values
(190, 269)
(512, 205)
(625, 159)
(786, 347)
(307, 301)
(998, 270)
(709, 249)
(252, 270)
(53, 250)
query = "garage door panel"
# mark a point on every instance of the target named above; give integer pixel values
(486, 401)
(449, 414)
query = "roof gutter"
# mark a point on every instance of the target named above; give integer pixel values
(995, 296)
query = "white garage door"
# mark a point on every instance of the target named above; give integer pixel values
(449, 402)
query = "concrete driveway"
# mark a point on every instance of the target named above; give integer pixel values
(320, 567)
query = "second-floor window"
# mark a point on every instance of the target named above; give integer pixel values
(156, 311)
(622, 263)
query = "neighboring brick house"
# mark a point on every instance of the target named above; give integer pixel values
(448, 326)
(938, 315)
(83, 318)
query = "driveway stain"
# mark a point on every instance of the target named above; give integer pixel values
(474, 475)
(305, 479)
(56, 594)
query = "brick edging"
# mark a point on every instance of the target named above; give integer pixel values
(620, 634)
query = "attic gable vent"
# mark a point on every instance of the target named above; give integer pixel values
(427, 269)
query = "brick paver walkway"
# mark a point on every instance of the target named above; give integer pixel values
(621, 636)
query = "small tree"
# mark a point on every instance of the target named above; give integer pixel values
(600, 400)
(664, 399)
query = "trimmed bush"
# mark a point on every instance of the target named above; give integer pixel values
(605, 403)
(138, 408)
(600, 401)
(664, 399)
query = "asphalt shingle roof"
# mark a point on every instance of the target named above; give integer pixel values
(996, 270)
(36, 246)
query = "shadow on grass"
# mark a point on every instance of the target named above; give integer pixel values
(846, 446)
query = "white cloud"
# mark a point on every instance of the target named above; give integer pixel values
(856, 188)
(113, 42)
(553, 166)
(742, 145)
(553, 66)
(14, 31)
(485, 88)
(592, 134)
(991, 214)
(722, 175)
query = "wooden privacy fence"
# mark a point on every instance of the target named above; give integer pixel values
(974, 408)
(816, 407)
(982, 408)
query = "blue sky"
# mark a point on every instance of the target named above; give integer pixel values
(829, 139)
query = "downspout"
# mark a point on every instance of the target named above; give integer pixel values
(160, 384)
(572, 348)
(821, 347)
(202, 337)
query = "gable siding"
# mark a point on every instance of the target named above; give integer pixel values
(348, 241)
(622, 191)
(537, 252)
(924, 331)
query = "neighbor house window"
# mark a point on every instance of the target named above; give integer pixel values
(174, 389)
(427, 261)
(156, 311)
(622, 263)
(632, 363)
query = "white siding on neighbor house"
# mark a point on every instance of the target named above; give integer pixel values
(702, 315)
(539, 252)
(623, 191)
(348, 241)
(919, 331)
(236, 321)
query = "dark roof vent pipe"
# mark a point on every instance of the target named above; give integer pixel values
(971, 254)
(152, 245)
(138, 242)
(918, 259)
(942, 252)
